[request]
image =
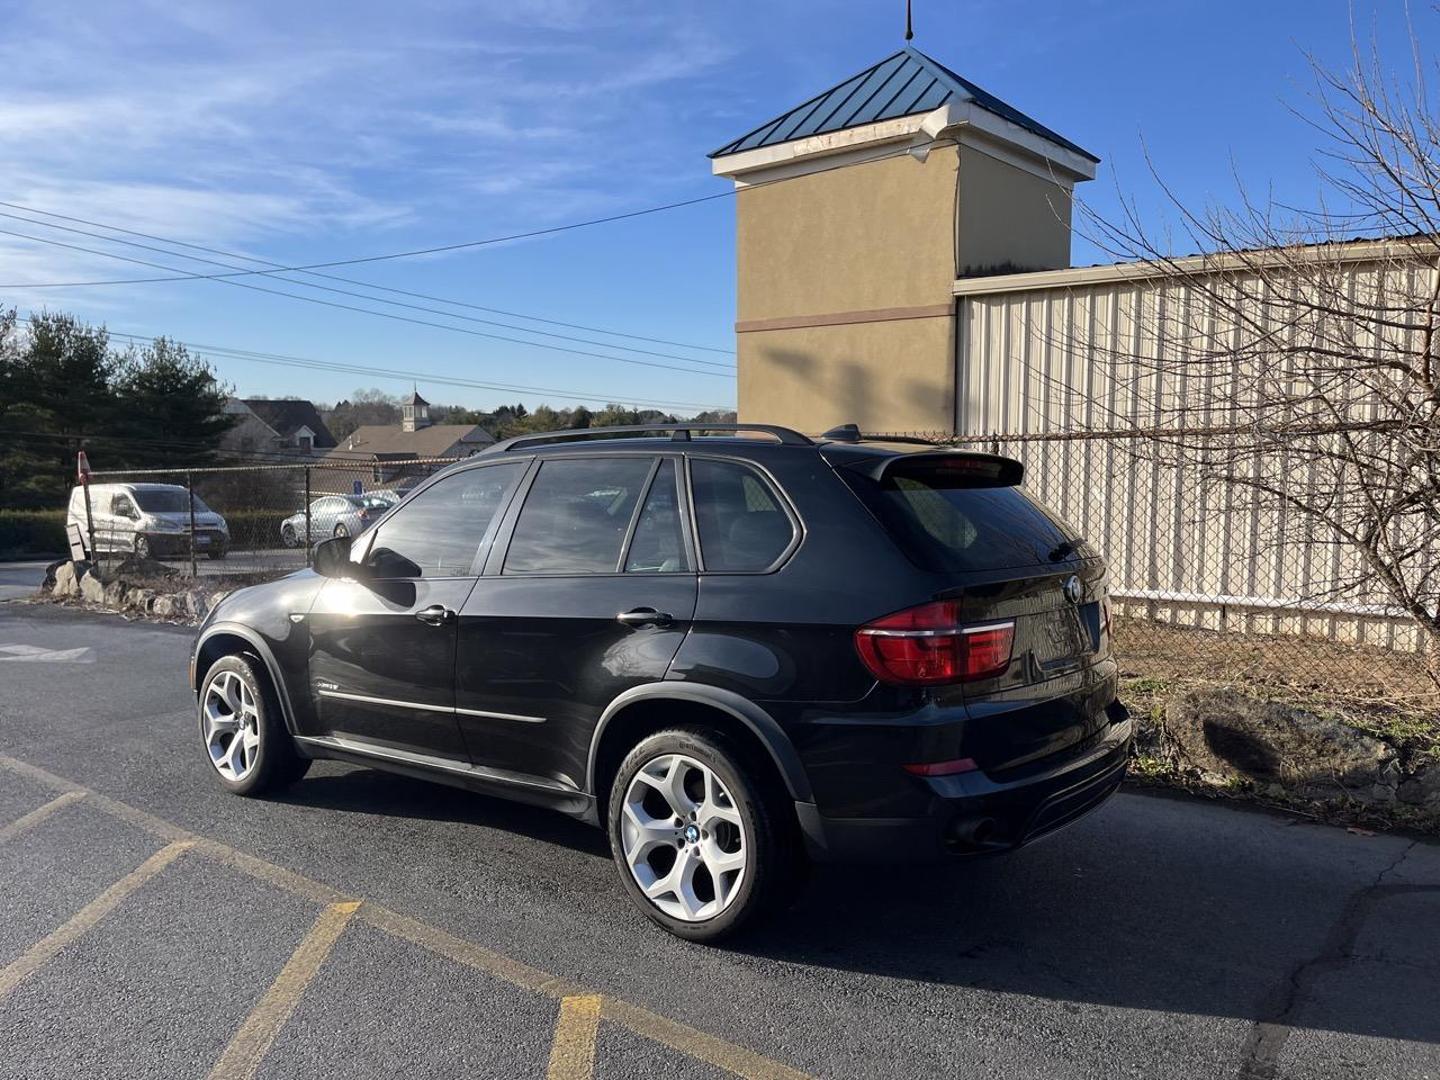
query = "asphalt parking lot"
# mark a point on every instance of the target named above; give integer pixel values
(368, 925)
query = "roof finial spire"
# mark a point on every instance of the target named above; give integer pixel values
(909, 22)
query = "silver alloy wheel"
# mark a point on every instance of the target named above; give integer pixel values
(683, 838)
(230, 726)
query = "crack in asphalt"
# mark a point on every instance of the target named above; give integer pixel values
(1259, 1060)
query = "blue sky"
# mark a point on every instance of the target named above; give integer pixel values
(303, 132)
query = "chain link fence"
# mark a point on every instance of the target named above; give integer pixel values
(1207, 585)
(230, 521)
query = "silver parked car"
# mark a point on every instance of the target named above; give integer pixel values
(331, 515)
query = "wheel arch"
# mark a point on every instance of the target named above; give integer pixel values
(229, 639)
(642, 710)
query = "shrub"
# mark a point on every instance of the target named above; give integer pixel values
(33, 532)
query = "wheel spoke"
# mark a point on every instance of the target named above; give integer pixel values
(643, 834)
(719, 861)
(717, 805)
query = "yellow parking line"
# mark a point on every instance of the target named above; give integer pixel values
(572, 1054)
(85, 919)
(39, 814)
(250, 1044)
(723, 1055)
(687, 1040)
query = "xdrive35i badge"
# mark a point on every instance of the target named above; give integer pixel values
(1073, 589)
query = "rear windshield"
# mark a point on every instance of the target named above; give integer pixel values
(944, 525)
(163, 501)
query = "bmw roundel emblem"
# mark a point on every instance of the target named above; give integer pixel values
(1073, 589)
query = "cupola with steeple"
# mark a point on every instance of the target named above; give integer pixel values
(856, 211)
(414, 412)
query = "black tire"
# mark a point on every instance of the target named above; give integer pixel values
(218, 553)
(341, 530)
(142, 547)
(775, 865)
(278, 764)
(289, 538)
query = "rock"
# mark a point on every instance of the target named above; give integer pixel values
(139, 599)
(163, 607)
(48, 585)
(196, 604)
(114, 593)
(1422, 788)
(132, 566)
(1235, 735)
(92, 589)
(67, 579)
(216, 597)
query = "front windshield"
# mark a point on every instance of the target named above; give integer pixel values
(168, 501)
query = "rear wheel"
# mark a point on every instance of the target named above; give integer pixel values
(701, 845)
(142, 547)
(341, 530)
(242, 730)
(288, 537)
(217, 553)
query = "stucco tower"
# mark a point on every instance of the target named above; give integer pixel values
(857, 210)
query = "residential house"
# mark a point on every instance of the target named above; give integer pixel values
(282, 426)
(385, 454)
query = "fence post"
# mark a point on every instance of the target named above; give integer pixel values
(307, 515)
(190, 498)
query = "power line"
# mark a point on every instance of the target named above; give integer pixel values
(280, 268)
(224, 279)
(372, 299)
(283, 360)
(901, 152)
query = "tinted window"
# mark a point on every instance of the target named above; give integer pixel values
(438, 532)
(576, 515)
(741, 523)
(167, 501)
(944, 523)
(659, 546)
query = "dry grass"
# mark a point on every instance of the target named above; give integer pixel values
(1308, 667)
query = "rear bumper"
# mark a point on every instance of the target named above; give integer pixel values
(972, 813)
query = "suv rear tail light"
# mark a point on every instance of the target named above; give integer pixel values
(927, 646)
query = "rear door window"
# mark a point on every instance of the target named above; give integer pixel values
(576, 516)
(658, 546)
(742, 525)
(944, 523)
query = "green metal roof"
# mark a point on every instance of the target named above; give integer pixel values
(903, 84)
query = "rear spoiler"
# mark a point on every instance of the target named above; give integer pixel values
(970, 468)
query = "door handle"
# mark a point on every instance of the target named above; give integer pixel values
(644, 616)
(435, 615)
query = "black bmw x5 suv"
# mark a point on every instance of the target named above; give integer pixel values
(736, 653)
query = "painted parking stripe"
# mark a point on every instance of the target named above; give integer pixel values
(687, 1040)
(84, 920)
(33, 654)
(572, 1054)
(39, 814)
(250, 1044)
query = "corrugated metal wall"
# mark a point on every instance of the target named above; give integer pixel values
(1180, 550)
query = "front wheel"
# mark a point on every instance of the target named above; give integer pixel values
(701, 845)
(341, 530)
(217, 553)
(142, 547)
(242, 730)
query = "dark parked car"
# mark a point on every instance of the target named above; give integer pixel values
(736, 654)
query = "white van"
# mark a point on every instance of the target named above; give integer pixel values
(148, 520)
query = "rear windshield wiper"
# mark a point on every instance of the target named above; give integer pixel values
(1062, 550)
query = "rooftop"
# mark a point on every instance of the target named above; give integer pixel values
(903, 84)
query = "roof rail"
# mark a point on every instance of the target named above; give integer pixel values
(677, 432)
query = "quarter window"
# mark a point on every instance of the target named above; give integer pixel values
(437, 533)
(658, 546)
(742, 525)
(576, 516)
